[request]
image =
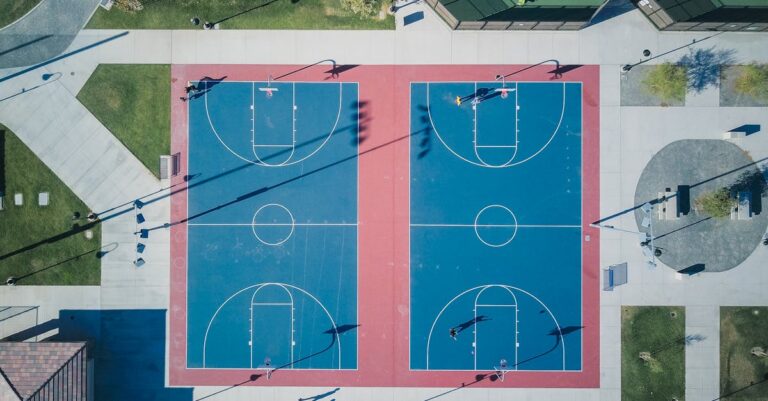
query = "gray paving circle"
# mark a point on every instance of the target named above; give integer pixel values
(694, 241)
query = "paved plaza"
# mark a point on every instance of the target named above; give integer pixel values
(99, 169)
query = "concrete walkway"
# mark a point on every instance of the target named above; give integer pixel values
(702, 354)
(102, 172)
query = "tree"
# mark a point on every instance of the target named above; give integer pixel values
(668, 82)
(717, 203)
(753, 81)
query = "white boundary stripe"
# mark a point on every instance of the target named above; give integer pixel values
(476, 139)
(275, 224)
(333, 322)
(497, 225)
(551, 138)
(480, 237)
(509, 287)
(292, 224)
(581, 251)
(292, 330)
(357, 249)
(477, 328)
(256, 162)
(292, 145)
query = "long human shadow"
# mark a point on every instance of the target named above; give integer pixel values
(264, 189)
(334, 337)
(98, 253)
(190, 181)
(494, 375)
(752, 384)
(251, 378)
(682, 228)
(556, 73)
(658, 200)
(469, 323)
(332, 71)
(63, 56)
(53, 78)
(25, 44)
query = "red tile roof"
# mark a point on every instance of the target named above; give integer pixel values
(28, 365)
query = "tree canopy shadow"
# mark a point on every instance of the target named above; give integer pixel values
(703, 66)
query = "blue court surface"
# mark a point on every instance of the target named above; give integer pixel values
(272, 237)
(495, 237)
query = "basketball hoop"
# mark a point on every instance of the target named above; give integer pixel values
(269, 91)
(504, 92)
(501, 370)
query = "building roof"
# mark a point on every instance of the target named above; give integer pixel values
(27, 366)
(532, 10)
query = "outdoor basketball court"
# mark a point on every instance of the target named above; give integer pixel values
(385, 226)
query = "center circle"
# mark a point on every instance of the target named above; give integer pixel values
(495, 225)
(273, 224)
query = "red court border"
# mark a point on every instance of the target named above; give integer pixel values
(383, 230)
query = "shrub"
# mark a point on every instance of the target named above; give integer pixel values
(667, 81)
(716, 203)
(753, 81)
(130, 6)
(363, 8)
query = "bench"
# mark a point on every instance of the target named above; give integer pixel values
(43, 199)
(670, 205)
(667, 209)
(165, 167)
(744, 207)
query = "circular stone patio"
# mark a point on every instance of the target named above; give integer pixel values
(695, 241)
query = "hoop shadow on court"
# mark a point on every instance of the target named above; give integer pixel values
(334, 333)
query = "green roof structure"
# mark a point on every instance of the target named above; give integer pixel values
(706, 15)
(516, 14)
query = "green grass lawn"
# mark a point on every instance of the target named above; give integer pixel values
(743, 376)
(133, 102)
(14, 9)
(41, 242)
(659, 330)
(279, 14)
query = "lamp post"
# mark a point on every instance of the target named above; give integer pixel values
(646, 52)
(646, 238)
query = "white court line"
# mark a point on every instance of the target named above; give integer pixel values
(259, 286)
(274, 224)
(257, 162)
(455, 153)
(499, 225)
(508, 287)
(476, 329)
